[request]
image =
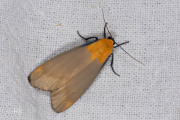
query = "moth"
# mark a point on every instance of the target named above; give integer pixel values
(68, 75)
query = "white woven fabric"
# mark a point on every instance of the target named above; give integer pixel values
(30, 34)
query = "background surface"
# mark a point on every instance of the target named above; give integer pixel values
(33, 31)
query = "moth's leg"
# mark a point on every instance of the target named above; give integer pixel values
(112, 61)
(105, 30)
(86, 39)
(117, 45)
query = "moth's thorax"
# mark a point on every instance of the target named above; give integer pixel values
(101, 49)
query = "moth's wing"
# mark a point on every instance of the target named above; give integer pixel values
(66, 95)
(67, 76)
(59, 70)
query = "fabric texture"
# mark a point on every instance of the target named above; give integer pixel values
(33, 31)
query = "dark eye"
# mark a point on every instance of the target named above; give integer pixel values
(109, 37)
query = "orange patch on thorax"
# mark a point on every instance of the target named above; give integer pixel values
(101, 49)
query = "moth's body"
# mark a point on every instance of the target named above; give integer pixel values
(69, 74)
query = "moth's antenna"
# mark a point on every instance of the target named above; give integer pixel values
(131, 56)
(119, 45)
(105, 22)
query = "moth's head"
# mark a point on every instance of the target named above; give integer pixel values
(111, 38)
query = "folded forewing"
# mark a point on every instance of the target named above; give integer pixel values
(59, 70)
(66, 95)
